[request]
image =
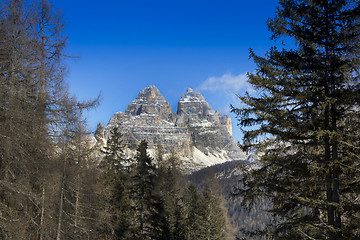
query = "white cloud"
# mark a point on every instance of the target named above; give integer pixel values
(227, 82)
(222, 91)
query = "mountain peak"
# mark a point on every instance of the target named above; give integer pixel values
(192, 96)
(149, 101)
(199, 135)
(193, 104)
(150, 93)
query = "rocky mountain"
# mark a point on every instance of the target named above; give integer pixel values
(199, 135)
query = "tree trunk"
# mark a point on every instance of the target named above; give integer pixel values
(76, 221)
(329, 174)
(336, 181)
(61, 204)
(42, 220)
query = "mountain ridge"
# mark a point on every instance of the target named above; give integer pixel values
(199, 136)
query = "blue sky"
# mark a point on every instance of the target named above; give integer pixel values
(124, 46)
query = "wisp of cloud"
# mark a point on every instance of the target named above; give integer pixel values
(226, 82)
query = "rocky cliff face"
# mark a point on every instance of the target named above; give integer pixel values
(196, 133)
(150, 101)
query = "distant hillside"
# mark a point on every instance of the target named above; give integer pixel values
(228, 175)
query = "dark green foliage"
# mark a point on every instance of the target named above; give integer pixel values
(114, 159)
(163, 209)
(142, 201)
(115, 217)
(148, 209)
(240, 218)
(178, 231)
(203, 215)
(214, 224)
(300, 119)
(166, 189)
(194, 212)
(170, 186)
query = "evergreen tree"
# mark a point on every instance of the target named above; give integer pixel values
(148, 208)
(194, 212)
(115, 199)
(299, 121)
(203, 215)
(214, 216)
(179, 228)
(169, 189)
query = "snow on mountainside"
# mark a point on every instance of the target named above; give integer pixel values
(199, 136)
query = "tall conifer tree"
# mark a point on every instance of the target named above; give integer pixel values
(115, 197)
(304, 119)
(148, 208)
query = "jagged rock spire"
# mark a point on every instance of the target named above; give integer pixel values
(150, 101)
(193, 107)
(196, 133)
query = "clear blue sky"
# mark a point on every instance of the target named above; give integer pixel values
(125, 46)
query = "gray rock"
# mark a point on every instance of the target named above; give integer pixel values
(150, 101)
(196, 133)
(100, 134)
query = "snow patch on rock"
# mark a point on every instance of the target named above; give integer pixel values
(198, 135)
